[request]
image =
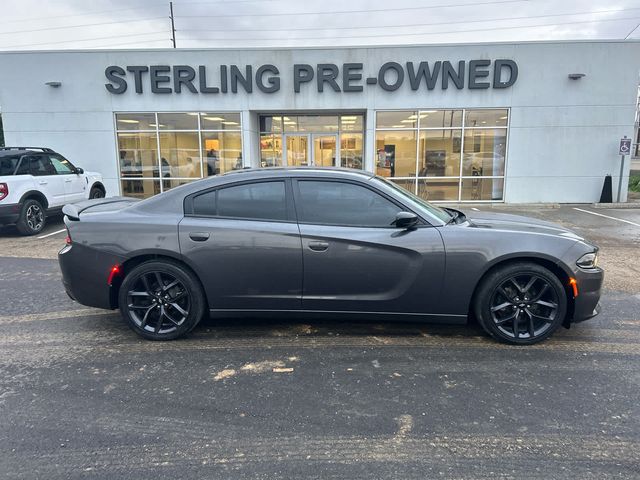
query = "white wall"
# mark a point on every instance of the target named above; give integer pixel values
(563, 134)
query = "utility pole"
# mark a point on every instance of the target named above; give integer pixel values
(173, 25)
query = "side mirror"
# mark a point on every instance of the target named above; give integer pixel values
(406, 220)
(79, 171)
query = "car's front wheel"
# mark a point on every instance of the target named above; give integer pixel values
(161, 300)
(96, 192)
(522, 303)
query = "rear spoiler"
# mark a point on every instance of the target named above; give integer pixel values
(73, 210)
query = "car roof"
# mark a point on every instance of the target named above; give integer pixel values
(296, 171)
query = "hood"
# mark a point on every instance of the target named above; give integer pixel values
(505, 221)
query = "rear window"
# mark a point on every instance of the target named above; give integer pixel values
(8, 165)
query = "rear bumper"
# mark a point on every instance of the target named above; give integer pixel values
(587, 303)
(85, 275)
(9, 213)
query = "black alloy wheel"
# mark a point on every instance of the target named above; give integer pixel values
(161, 300)
(521, 304)
(32, 218)
(524, 306)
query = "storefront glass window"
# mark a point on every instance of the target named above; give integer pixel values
(161, 151)
(222, 152)
(455, 152)
(396, 153)
(317, 140)
(178, 121)
(136, 121)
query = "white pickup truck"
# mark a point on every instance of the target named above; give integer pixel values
(36, 182)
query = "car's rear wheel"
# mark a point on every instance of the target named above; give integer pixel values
(161, 300)
(521, 303)
(32, 218)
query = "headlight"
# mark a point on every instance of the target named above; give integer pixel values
(588, 260)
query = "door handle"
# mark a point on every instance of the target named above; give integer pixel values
(318, 246)
(43, 182)
(67, 180)
(199, 236)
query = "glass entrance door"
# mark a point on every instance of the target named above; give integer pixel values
(325, 151)
(296, 152)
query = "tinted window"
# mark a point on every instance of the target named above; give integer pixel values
(62, 165)
(336, 203)
(41, 165)
(8, 165)
(205, 204)
(264, 201)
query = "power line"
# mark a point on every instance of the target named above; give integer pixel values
(83, 40)
(340, 12)
(73, 15)
(81, 26)
(280, 29)
(432, 33)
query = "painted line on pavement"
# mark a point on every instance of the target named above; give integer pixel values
(53, 233)
(607, 216)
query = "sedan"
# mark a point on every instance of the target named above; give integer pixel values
(308, 241)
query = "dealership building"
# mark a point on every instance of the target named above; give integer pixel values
(493, 122)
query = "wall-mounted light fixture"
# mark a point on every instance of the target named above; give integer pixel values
(576, 76)
(54, 84)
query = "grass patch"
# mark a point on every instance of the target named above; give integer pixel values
(634, 183)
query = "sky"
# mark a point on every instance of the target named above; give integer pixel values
(88, 24)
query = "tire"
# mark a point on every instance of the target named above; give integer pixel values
(96, 192)
(32, 218)
(166, 316)
(522, 297)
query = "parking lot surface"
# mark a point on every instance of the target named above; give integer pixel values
(81, 396)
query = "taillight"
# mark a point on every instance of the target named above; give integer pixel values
(113, 273)
(68, 239)
(4, 190)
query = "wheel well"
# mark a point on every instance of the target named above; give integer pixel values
(131, 263)
(99, 186)
(33, 195)
(549, 265)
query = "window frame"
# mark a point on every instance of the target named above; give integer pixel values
(423, 222)
(288, 195)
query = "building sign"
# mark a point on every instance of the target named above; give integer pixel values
(348, 77)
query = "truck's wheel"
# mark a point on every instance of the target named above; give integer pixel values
(32, 218)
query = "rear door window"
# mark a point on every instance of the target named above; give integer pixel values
(260, 201)
(40, 165)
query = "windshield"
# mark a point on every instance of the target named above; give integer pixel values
(437, 212)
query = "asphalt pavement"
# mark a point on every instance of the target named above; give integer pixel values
(81, 396)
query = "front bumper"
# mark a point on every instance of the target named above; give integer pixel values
(9, 213)
(587, 303)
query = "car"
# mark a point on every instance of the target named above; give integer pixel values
(37, 182)
(279, 242)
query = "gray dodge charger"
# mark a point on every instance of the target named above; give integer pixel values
(341, 243)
